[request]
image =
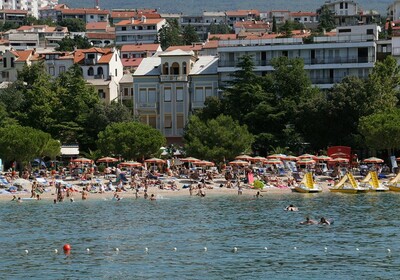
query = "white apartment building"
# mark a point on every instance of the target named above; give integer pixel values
(32, 6)
(346, 12)
(134, 31)
(201, 22)
(168, 87)
(13, 61)
(352, 52)
(393, 10)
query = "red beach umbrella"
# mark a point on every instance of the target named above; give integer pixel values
(239, 162)
(373, 160)
(82, 160)
(130, 164)
(107, 159)
(244, 157)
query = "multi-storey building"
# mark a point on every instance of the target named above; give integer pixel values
(139, 50)
(85, 14)
(240, 15)
(138, 31)
(345, 12)
(328, 59)
(31, 6)
(13, 61)
(13, 16)
(120, 15)
(48, 36)
(201, 22)
(169, 86)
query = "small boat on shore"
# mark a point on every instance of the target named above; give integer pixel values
(371, 181)
(348, 185)
(394, 183)
(307, 185)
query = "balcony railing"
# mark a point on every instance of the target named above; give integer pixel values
(90, 61)
(330, 60)
(173, 78)
(152, 105)
(197, 104)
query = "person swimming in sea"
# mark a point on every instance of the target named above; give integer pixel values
(291, 208)
(324, 221)
(308, 221)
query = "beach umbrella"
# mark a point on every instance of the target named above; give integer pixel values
(154, 160)
(306, 161)
(323, 158)
(258, 159)
(107, 159)
(82, 160)
(339, 160)
(204, 163)
(373, 160)
(290, 158)
(189, 159)
(130, 164)
(239, 162)
(244, 157)
(276, 156)
(273, 161)
(307, 156)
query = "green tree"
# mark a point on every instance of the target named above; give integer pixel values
(274, 26)
(170, 34)
(77, 99)
(220, 28)
(381, 130)
(217, 138)
(382, 84)
(287, 28)
(69, 44)
(23, 144)
(131, 140)
(73, 24)
(326, 19)
(189, 35)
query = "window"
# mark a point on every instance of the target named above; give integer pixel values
(167, 121)
(152, 121)
(143, 95)
(101, 93)
(51, 71)
(369, 32)
(126, 91)
(123, 28)
(12, 61)
(341, 5)
(4, 62)
(152, 95)
(61, 69)
(179, 94)
(100, 71)
(125, 55)
(90, 71)
(179, 121)
(131, 91)
(116, 72)
(208, 91)
(198, 95)
(167, 94)
(184, 68)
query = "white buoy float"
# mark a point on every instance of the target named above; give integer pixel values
(235, 249)
(56, 251)
(116, 249)
(88, 250)
(265, 248)
(205, 249)
(146, 249)
(326, 249)
(389, 251)
(26, 251)
(295, 248)
(175, 249)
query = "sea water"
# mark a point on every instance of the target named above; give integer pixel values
(194, 238)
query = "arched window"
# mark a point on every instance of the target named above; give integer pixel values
(100, 71)
(184, 68)
(175, 68)
(90, 71)
(165, 69)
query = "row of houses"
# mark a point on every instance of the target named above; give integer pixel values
(164, 87)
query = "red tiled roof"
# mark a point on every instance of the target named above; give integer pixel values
(132, 14)
(85, 11)
(97, 25)
(100, 35)
(150, 21)
(251, 25)
(242, 13)
(131, 62)
(213, 44)
(196, 47)
(79, 55)
(140, 47)
(14, 11)
(222, 36)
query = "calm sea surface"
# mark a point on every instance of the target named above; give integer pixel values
(365, 227)
(196, 7)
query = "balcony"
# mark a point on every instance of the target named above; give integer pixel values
(147, 106)
(197, 104)
(90, 61)
(173, 78)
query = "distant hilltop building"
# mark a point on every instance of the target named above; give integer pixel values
(31, 6)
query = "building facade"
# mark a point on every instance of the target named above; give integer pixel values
(133, 31)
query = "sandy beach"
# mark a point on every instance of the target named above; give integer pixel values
(213, 189)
